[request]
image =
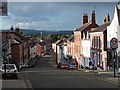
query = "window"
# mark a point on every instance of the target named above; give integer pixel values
(93, 42)
(100, 59)
(100, 44)
(97, 42)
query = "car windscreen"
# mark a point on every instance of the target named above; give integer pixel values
(8, 67)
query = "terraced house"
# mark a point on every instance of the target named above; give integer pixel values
(70, 46)
(83, 33)
(98, 45)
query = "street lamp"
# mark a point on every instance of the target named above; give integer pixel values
(5, 68)
(115, 59)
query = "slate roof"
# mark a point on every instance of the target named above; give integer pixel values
(101, 28)
(72, 40)
(83, 27)
(40, 43)
(71, 37)
(20, 36)
(60, 41)
(57, 41)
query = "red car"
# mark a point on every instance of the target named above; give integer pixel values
(64, 66)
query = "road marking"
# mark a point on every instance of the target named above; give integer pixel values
(30, 85)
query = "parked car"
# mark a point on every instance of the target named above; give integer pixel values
(72, 66)
(23, 66)
(11, 70)
(64, 66)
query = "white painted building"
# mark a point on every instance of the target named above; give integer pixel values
(113, 30)
(33, 51)
(65, 50)
(59, 53)
(85, 51)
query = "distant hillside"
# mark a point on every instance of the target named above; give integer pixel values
(29, 32)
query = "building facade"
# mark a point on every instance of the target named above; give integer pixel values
(81, 33)
(99, 46)
(113, 31)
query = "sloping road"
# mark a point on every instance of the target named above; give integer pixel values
(45, 75)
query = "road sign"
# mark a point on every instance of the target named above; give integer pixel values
(114, 43)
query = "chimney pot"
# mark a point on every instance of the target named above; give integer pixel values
(84, 18)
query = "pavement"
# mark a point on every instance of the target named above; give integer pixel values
(13, 84)
(109, 74)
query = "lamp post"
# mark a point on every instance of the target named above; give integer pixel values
(4, 62)
(114, 65)
(115, 59)
(5, 68)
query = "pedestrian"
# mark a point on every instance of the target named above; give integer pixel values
(93, 64)
(77, 64)
(90, 63)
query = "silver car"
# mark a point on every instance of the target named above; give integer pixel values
(72, 66)
(11, 70)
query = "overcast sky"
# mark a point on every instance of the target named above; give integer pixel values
(54, 15)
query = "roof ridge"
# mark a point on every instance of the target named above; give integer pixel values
(83, 26)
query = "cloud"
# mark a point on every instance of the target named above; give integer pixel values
(22, 24)
(52, 15)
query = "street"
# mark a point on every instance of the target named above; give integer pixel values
(46, 75)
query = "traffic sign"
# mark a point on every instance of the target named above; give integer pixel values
(114, 43)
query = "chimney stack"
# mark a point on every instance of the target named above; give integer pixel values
(11, 28)
(93, 17)
(17, 29)
(106, 19)
(84, 19)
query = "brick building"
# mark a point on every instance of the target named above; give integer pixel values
(70, 46)
(39, 49)
(98, 39)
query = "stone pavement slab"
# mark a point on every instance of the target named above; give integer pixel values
(113, 80)
(13, 84)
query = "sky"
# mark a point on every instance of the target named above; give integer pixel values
(54, 15)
